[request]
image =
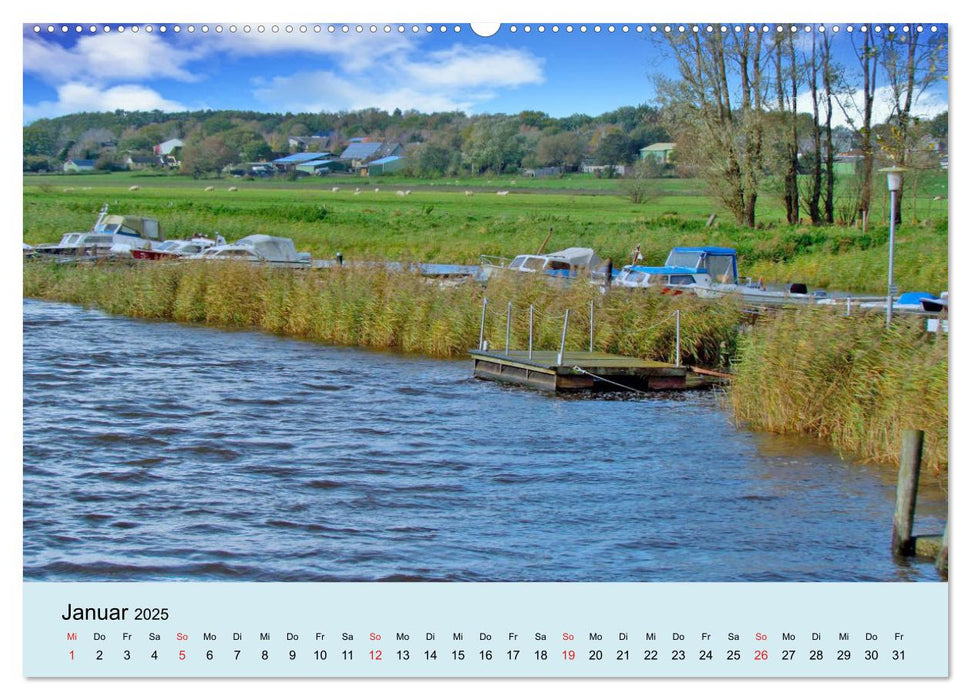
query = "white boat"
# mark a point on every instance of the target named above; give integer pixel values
(173, 249)
(112, 235)
(258, 248)
(568, 263)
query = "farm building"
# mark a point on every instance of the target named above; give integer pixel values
(288, 163)
(78, 165)
(321, 166)
(384, 166)
(661, 151)
(359, 153)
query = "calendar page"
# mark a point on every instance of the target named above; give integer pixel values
(517, 350)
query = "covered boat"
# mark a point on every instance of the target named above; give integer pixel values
(568, 263)
(258, 248)
(112, 235)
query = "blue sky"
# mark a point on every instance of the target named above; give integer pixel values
(559, 72)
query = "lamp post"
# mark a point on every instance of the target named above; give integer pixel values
(895, 178)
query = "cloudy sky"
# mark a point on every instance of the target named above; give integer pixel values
(310, 68)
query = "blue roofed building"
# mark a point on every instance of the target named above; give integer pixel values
(360, 153)
(292, 161)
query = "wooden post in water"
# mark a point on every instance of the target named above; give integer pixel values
(566, 320)
(508, 321)
(485, 303)
(530, 331)
(942, 555)
(911, 451)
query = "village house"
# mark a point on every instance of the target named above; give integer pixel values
(662, 152)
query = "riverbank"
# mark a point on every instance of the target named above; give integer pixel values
(843, 380)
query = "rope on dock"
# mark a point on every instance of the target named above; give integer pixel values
(604, 379)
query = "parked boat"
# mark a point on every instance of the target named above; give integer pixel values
(173, 249)
(913, 302)
(567, 263)
(112, 235)
(258, 248)
(711, 272)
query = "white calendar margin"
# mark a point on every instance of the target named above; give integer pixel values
(440, 11)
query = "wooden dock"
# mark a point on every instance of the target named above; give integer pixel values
(582, 371)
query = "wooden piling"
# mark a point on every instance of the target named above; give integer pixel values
(911, 451)
(942, 555)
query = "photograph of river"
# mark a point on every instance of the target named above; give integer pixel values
(156, 451)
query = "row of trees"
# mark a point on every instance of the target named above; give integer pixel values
(737, 111)
(443, 143)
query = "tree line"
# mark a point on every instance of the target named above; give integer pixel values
(441, 143)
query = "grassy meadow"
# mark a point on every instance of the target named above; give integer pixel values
(438, 222)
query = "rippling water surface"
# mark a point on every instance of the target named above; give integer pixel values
(157, 451)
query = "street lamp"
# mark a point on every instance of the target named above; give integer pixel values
(895, 180)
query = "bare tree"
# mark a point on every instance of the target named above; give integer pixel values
(912, 61)
(860, 116)
(816, 181)
(726, 140)
(827, 70)
(787, 110)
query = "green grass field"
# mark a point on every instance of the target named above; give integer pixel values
(438, 222)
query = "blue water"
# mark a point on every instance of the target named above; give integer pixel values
(158, 451)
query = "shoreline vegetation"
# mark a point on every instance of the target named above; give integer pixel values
(844, 380)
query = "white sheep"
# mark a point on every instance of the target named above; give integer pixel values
(335, 189)
(407, 192)
(502, 193)
(468, 194)
(233, 189)
(210, 188)
(133, 188)
(400, 193)
(376, 189)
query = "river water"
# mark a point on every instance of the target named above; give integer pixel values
(159, 451)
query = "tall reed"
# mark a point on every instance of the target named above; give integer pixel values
(381, 308)
(847, 380)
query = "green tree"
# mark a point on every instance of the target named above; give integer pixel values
(615, 148)
(205, 155)
(494, 143)
(564, 150)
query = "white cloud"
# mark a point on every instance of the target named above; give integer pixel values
(353, 51)
(324, 91)
(927, 106)
(81, 97)
(452, 79)
(109, 57)
(461, 67)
